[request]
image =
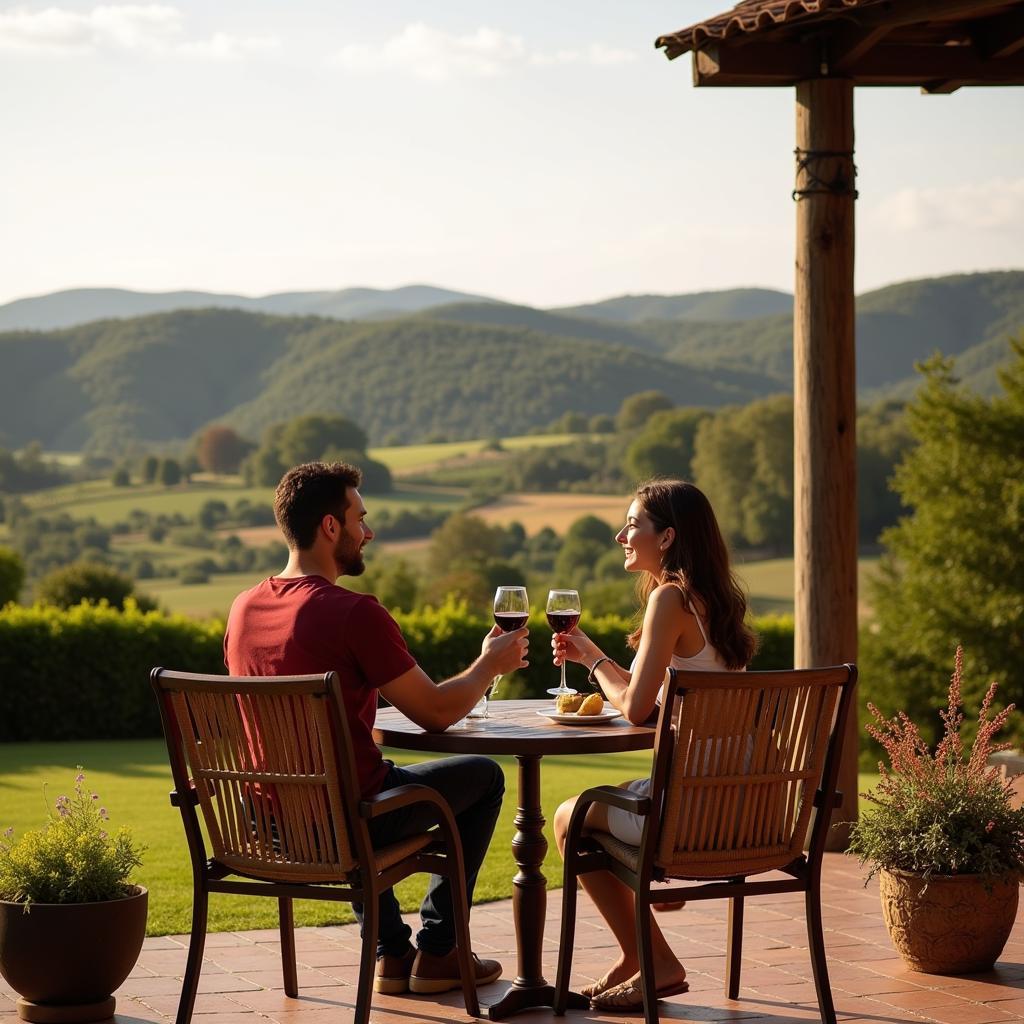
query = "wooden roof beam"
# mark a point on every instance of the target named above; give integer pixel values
(783, 64)
(847, 46)
(1001, 36)
(912, 12)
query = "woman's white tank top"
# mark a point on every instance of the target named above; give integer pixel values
(707, 659)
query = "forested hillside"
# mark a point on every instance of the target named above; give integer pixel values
(109, 384)
(466, 370)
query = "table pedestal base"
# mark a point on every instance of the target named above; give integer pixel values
(529, 901)
(524, 997)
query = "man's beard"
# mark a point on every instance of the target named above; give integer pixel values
(348, 557)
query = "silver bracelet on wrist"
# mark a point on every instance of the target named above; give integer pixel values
(591, 677)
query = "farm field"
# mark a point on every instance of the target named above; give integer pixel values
(412, 458)
(770, 584)
(133, 780)
(109, 504)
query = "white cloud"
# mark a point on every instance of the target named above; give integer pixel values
(997, 204)
(147, 28)
(436, 55)
(222, 46)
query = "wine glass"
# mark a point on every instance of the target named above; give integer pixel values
(511, 611)
(563, 614)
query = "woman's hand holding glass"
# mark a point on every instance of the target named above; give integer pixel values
(574, 646)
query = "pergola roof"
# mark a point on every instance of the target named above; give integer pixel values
(939, 45)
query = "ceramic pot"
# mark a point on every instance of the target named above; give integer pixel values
(66, 959)
(954, 924)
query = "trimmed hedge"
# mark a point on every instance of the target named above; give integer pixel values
(83, 673)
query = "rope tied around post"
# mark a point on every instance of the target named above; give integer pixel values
(840, 185)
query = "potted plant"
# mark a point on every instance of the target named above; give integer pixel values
(946, 842)
(71, 922)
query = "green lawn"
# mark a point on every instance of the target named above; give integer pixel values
(133, 780)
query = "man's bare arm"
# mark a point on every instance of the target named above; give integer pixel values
(435, 706)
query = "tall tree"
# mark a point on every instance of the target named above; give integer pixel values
(665, 445)
(743, 461)
(953, 572)
(637, 409)
(220, 449)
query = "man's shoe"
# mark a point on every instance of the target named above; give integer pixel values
(392, 974)
(433, 974)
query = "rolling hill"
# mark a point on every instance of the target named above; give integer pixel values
(459, 370)
(713, 307)
(107, 385)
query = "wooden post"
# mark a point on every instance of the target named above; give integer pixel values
(824, 395)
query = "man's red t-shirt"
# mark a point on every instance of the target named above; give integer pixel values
(307, 624)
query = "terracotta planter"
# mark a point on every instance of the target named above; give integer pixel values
(957, 925)
(65, 959)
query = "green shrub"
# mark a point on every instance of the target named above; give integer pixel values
(12, 575)
(83, 673)
(74, 859)
(446, 639)
(85, 581)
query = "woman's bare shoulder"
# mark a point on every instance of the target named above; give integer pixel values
(668, 598)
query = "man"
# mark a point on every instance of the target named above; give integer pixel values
(300, 622)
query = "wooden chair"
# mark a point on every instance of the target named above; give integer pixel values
(269, 763)
(740, 759)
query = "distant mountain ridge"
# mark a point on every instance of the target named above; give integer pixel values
(465, 369)
(83, 305)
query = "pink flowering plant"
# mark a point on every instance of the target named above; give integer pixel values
(75, 858)
(941, 813)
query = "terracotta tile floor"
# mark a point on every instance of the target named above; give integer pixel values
(241, 981)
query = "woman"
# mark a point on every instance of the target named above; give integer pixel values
(693, 618)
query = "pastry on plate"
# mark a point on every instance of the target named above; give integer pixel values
(593, 705)
(568, 703)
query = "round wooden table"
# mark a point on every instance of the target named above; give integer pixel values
(514, 727)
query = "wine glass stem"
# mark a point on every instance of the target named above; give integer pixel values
(563, 676)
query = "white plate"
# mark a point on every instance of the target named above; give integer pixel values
(605, 716)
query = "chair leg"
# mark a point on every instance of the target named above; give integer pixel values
(734, 955)
(819, 961)
(645, 945)
(463, 946)
(368, 957)
(568, 933)
(291, 978)
(194, 963)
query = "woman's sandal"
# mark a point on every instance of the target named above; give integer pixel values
(628, 997)
(664, 908)
(599, 986)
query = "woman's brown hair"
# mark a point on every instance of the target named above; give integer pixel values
(697, 562)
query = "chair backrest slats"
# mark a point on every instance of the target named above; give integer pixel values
(272, 771)
(748, 754)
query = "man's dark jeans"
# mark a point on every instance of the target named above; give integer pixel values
(473, 787)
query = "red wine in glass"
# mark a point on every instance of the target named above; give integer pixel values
(563, 622)
(563, 611)
(507, 622)
(511, 612)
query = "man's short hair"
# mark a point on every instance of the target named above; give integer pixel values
(309, 492)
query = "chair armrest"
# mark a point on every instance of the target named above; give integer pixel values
(616, 797)
(401, 796)
(613, 796)
(191, 797)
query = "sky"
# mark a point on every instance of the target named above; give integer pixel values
(534, 152)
